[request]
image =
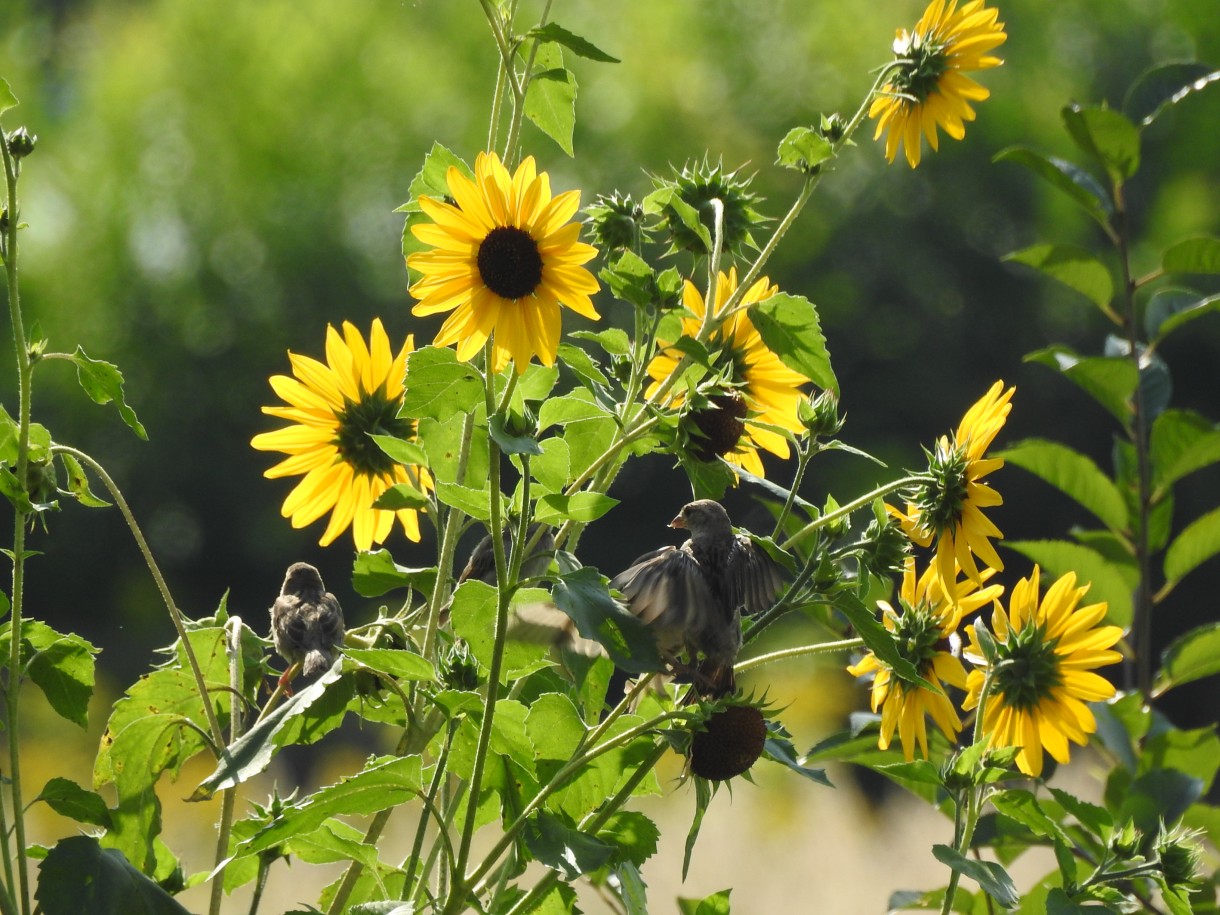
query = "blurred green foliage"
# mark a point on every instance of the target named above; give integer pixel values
(214, 183)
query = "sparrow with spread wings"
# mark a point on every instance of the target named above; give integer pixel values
(692, 597)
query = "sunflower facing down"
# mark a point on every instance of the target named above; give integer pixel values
(1046, 653)
(764, 389)
(925, 631)
(928, 88)
(949, 509)
(505, 257)
(333, 407)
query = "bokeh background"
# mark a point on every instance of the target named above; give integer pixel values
(214, 183)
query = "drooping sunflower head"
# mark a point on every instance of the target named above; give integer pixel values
(1042, 670)
(754, 378)
(928, 88)
(505, 255)
(948, 508)
(925, 630)
(333, 408)
(700, 188)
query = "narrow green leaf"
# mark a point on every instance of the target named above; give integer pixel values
(582, 594)
(703, 797)
(1109, 582)
(1067, 177)
(1194, 255)
(7, 99)
(78, 483)
(1096, 819)
(69, 799)
(1074, 474)
(1170, 309)
(1074, 267)
(550, 100)
(879, 640)
(790, 327)
(400, 450)
(1111, 381)
(1023, 807)
(12, 489)
(1199, 542)
(580, 46)
(400, 664)
(439, 386)
(103, 383)
(1182, 442)
(803, 149)
(78, 875)
(990, 876)
(374, 574)
(1107, 135)
(582, 506)
(1156, 89)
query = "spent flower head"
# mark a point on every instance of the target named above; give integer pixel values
(505, 255)
(334, 407)
(1045, 651)
(927, 88)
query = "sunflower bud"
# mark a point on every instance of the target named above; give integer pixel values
(1126, 842)
(616, 221)
(21, 143)
(885, 546)
(820, 415)
(1178, 851)
(832, 127)
(730, 744)
(459, 670)
(691, 199)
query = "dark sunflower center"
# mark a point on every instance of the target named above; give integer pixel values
(509, 262)
(926, 61)
(720, 425)
(944, 497)
(1030, 670)
(919, 638)
(373, 414)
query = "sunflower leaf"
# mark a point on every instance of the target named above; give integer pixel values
(79, 875)
(790, 327)
(558, 844)
(803, 149)
(580, 46)
(103, 383)
(1074, 267)
(1199, 542)
(1194, 255)
(879, 640)
(550, 100)
(1158, 88)
(438, 386)
(1084, 190)
(375, 574)
(400, 450)
(581, 506)
(7, 99)
(1191, 657)
(990, 876)
(715, 904)
(1073, 474)
(400, 496)
(1107, 135)
(78, 483)
(582, 593)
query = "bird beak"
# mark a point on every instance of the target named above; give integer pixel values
(677, 522)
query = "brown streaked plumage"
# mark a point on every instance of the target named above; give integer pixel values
(306, 621)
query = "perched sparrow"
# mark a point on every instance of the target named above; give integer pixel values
(306, 621)
(693, 597)
(482, 562)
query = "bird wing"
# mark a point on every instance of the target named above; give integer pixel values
(757, 578)
(326, 624)
(666, 588)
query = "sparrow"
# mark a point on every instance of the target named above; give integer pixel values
(306, 622)
(482, 562)
(693, 596)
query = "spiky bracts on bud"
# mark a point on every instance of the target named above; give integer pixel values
(689, 200)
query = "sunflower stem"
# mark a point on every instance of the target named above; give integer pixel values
(514, 128)
(844, 510)
(228, 799)
(713, 263)
(411, 865)
(449, 539)
(801, 651)
(804, 454)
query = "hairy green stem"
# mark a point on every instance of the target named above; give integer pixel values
(6, 898)
(228, 797)
(801, 651)
(417, 847)
(449, 539)
(844, 510)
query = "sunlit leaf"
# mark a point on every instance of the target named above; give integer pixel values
(1072, 473)
(474, 619)
(715, 904)
(78, 482)
(103, 383)
(550, 100)
(1107, 135)
(1191, 657)
(1156, 89)
(400, 496)
(374, 574)
(790, 327)
(60, 664)
(473, 502)
(1194, 255)
(400, 450)
(439, 386)
(1182, 442)
(989, 875)
(398, 663)
(1199, 542)
(1069, 178)
(7, 99)
(1111, 381)
(581, 506)
(69, 799)
(803, 149)
(1074, 267)
(574, 43)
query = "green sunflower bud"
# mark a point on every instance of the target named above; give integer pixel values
(1180, 857)
(885, 546)
(617, 221)
(820, 415)
(459, 670)
(21, 143)
(832, 126)
(688, 204)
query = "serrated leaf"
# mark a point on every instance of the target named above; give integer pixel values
(432, 180)
(563, 848)
(574, 43)
(374, 574)
(1072, 266)
(474, 619)
(631, 279)
(582, 364)
(439, 386)
(1156, 89)
(1073, 474)
(78, 875)
(803, 149)
(1067, 177)
(583, 595)
(398, 663)
(581, 506)
(103, 383)
(1094, 818)
(60, 664)
(990, 876)
(633, 835)
(790, 327)
(565, 410)
(471, 501)
(69, 799)
(1111, 381)
(1191, 657)
(1193, 255)
(1107, 135)
(1199, 542)
(1108, 582)
(442, 440)
(550, 100)
(7, 99)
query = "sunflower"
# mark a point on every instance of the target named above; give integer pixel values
(505, 256)
(928, 87)
(333, 409)
(925, 631)
(763, 390)
(1043, 670)
(949, 507)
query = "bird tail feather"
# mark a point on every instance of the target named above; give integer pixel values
(315, 663)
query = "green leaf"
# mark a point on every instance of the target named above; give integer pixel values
(400, 496)
(1199, 542)
(778, 748)
(60, 664)
(1109, 582)
(375, 574)
(550, 100)
(990, 876)
(1182, 442)
(474, 619)
(432, 180)
(400, 450)
(582, 506)
(574, 43)
(1107, 135)
(803, 149)
(563, 848)
(1023, 807)
(80, 876)
(583, 595)
(630, 278)
(442, 440)
(582, 364)
(398, 663)
(384, 782)
(1094, 818)
(633, 835)
(1074, 267)
(790, 327)
(438, 386)
(566, 410)
(69, 799)
(7, 99)
(708, 479)
(715, 904)
(509, 442)
(552, 469)
(252, 752)
(1159, 796)
(103, 383)
(1170, 309)
(1073, 474)
(12, 489)
(703, 797)
(1111, 381)
(879, 640)
(472, 501)
(1156, 89)
(78, 483)
(1075, 182)
(1194, 255)
(554, 726)
(1195, 752)
(1191, 657)
(613, 340)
